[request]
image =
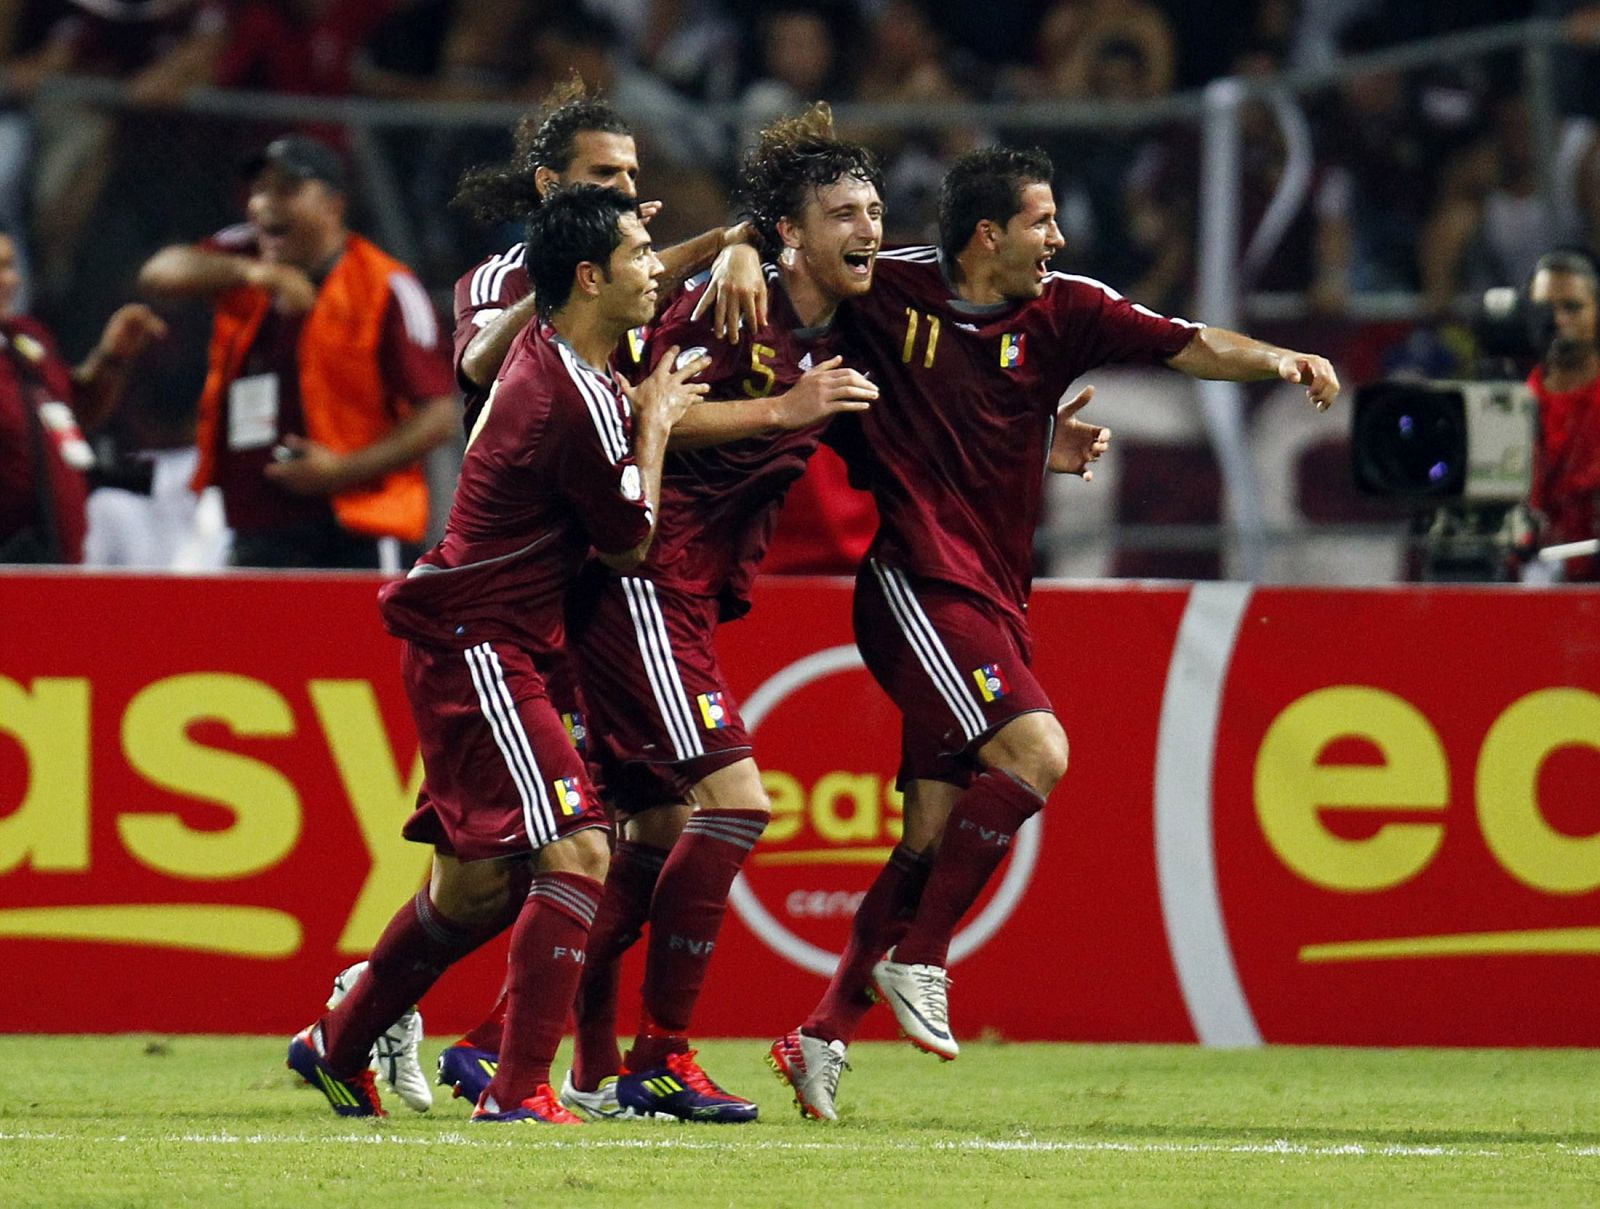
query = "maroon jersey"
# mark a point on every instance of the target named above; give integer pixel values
(482, 293)
(548, 471)
(719, 505)
(954, 448)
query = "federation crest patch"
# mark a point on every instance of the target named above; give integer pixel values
(632, 484)
(712, 711)
(568, 795)
(1012, 350)
(688, 355)
(576, 730)
(991, 682)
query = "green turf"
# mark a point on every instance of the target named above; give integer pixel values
(141, 1121)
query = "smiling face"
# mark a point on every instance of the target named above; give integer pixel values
(301, 221)
(628, 288)
(1024, 247)
(837, 237)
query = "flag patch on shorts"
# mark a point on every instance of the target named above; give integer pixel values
(991, 682)
(576, 730)
(569, 796)
(712, 712)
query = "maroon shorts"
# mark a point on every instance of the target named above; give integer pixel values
(958, 667)
(661, 718)
(502, 775)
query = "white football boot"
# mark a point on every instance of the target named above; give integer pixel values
(919, 997)
(394, 1055)
(811, 1067)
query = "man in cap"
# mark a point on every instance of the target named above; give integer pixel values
(327, 380)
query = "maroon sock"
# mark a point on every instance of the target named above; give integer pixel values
(976, 839)
(546, 960)
(624, 907)
(685, 915)
(880, 921)
(418, 945)
(486, 1034)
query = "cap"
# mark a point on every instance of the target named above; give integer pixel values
(302, 156)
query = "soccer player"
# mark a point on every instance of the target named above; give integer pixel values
(972, 344)
(574, 138)
(556, 465)
(674, 752)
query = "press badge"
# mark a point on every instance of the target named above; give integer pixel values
(253, 412)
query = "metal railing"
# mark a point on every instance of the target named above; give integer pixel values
(1215, 110)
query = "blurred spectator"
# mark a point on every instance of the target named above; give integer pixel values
(1078, 38)
(575, 42)
(1566, 384)
(1097, 168)
(905, 62)
(44, 406)
(1492, 222)
(161, 50)
(300, 47)
(798, 49)
(328, 381)
(692, 45)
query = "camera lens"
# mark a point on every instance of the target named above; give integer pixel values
(1409, 439)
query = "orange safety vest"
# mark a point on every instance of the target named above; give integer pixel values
(342, 392)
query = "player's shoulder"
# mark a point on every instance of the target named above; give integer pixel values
(913, 262)
(492, 278)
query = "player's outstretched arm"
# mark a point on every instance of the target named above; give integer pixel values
(1076, 443)
(659, 402)
(1216, 354)
(822, 391)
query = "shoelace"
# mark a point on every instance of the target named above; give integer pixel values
(932, 987)
(545, 1103)
(833, 1065)
(686, 1068)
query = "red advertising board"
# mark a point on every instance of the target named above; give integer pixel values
(1331, 816)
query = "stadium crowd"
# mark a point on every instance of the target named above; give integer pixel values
(1425, 184)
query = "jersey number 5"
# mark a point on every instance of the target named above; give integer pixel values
(913, 321)
(759, 386)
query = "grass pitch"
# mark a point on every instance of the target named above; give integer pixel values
(146, 1121)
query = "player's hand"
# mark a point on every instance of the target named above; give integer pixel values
(1312, 372)
(1077, 444)
(662, 397)
(307, 468)
(648, 210)
(737, 292)
(292, 290)
(822, 391)
(130, 330)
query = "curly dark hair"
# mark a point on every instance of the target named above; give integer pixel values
(546, 138)
(574, 225)
(790, 159)
(986, 183)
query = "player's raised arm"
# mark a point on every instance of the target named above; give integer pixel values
(1217, 354)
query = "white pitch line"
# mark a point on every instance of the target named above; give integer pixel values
(1023, 1145)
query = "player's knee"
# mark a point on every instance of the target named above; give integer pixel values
(471, 895)
(1033, 748)
(585, 852)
